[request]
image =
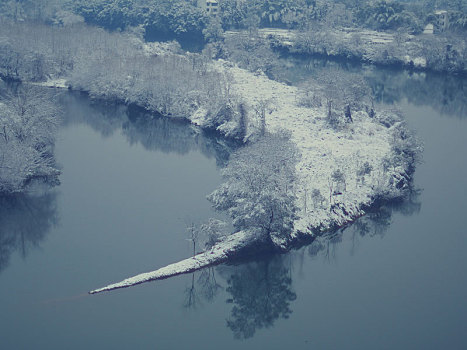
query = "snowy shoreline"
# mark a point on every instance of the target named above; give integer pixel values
(213, 256)
(323, 150)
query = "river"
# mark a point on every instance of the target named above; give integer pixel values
(130, 186)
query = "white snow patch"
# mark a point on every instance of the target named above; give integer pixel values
(59, 83)
(217, 254)
(420, 62)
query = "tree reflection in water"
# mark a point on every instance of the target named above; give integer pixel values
(192, 298)
(261, 292)
(208, 284)
(375, 223)
(153, 132)
(25, 221)
(206, 288)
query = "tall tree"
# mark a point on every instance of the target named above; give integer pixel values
(258, 188)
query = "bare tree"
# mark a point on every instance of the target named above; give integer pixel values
(193, 235)
(261, 108)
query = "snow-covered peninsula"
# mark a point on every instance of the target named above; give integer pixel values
(369, 156)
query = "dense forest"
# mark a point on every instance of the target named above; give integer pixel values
(184, 17)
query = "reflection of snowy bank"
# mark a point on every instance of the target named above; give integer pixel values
(25, 221)
(370, 154)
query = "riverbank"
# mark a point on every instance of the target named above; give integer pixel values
(421, 52)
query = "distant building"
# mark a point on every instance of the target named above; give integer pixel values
(429, 29)
(439, 22)
(442, 20)
(210, 6)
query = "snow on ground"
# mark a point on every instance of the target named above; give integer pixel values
(370, 41)
(216, 255)
(53, 83)
(323, 150)
(417, 61)
(371, 36)
(160, 48)
(287, 36)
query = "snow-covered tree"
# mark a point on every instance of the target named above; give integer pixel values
(365, 169)
(251, 51)
(258, 189)
(338, 178)
(28, 123)
(213, 31)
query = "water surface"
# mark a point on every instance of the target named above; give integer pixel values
(395, 279)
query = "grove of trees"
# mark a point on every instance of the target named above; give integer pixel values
(120, 67)
(28, 125)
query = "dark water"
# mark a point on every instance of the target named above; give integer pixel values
(394, 280)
